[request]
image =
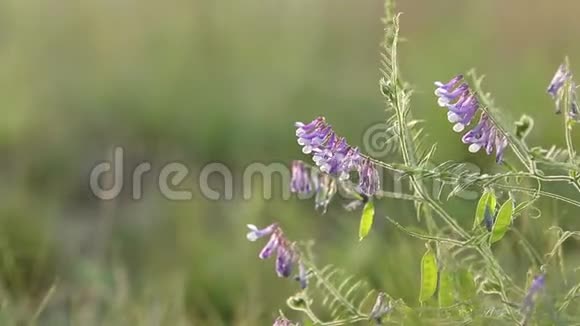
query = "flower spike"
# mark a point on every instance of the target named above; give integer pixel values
(335, 158)
(462, 105)
(561, 83)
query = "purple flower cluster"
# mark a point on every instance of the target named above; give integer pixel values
(286, 254)
(334, 156)
(562, 80)
(485, 135)
(462, 106)
(529, 300)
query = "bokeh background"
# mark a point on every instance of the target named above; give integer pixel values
(224, 81)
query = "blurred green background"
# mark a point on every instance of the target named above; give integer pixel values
(224, 81)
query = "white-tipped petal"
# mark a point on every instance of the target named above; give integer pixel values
(458, 127)
(474, 148)
(252, 236)
(452, 117)
(442, 102)
(439, 92)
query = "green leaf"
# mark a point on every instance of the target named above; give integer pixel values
(502, 221)
(488, 198)
(465, 284)
(428, 276)
(366, 220)
(446, 289)
(480, 210)
(492, 202)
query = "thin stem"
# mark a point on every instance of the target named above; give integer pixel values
(568, 121)
(425, 236)
(541, 193)
(399, 101)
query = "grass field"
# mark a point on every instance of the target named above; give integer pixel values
(208, 82)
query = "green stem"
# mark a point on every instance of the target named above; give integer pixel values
(567, 103)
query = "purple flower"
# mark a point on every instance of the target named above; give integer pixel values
(462, 112)
(331, 153)
(369, 178)
(501, 143)
(337, 158)
(302, 275)
(459, 100)
(301, 180)
(286, 254)
(450, 91)
(270, 246)
(282, 321)
(529, 300)
(256, 233)
(312, 135)
(560, 77)
(488, 219)
(306, 179)
(573, 100)
(284, 261)
(562, 82)
(486, 135)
